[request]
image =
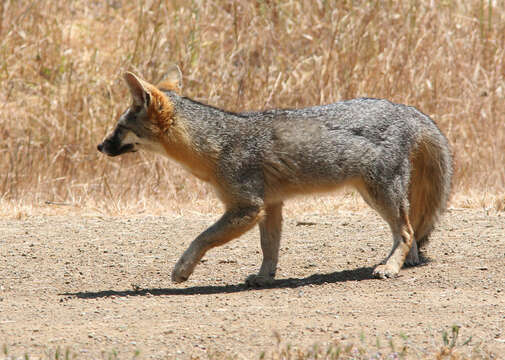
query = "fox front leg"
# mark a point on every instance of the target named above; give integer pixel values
(232, 224)
(270, 232)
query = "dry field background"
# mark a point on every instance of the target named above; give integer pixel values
(61, 87)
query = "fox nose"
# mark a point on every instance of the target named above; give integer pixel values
(100, 147)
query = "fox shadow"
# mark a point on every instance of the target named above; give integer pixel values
(359, 274)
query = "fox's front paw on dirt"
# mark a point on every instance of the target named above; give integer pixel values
(181, 272)
(256, 280)
(385, 272)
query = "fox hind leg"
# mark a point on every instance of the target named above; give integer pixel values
(270, 233)
(413, 257)
(403, 237)
(393, 207)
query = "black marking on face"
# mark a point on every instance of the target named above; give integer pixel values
(113, 144)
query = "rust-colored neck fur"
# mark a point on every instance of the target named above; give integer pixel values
(174, 137)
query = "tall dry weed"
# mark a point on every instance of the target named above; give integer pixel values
(61, 87)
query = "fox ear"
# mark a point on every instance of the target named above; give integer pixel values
(171, 80)
(141, 95)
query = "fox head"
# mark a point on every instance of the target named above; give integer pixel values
(148, 118)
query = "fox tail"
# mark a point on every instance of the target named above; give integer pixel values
(430, 182)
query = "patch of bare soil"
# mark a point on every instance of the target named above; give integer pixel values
(102, 285)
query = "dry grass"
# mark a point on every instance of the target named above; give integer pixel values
(453, 348)
(61, 87)
(332, 351)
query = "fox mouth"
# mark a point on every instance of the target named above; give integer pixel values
(112, 151)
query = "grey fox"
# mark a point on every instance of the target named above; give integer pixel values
(392, 154)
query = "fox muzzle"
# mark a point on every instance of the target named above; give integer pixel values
(112, 148)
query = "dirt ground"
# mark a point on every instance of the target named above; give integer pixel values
(101, 285)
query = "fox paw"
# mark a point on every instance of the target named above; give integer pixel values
(178, 278)
(385, 272)
(413, 258)
(181, 272)
(255, 280)
(411, 261)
